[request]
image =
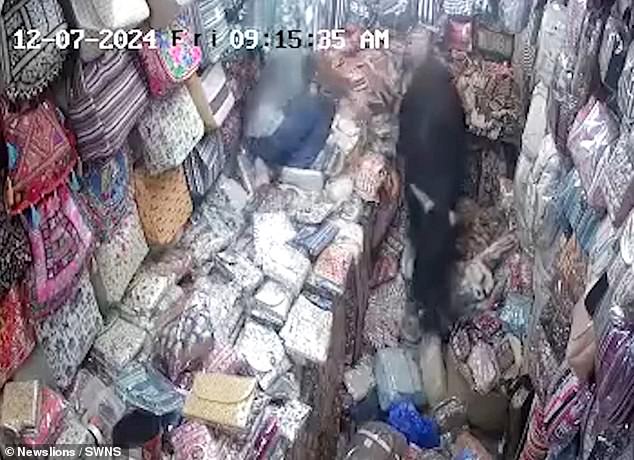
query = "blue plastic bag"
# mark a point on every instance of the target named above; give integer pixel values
(420, 430)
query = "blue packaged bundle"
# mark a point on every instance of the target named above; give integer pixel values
(418, 429)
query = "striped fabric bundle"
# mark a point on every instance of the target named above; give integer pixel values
(458, 7)
(106, 98)
(215, 30)
(204, 164)
(426, 11)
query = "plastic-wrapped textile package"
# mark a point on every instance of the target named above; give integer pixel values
(451, 415)
(287, 266)
(397, 378)
(613, 52)
(514, 14)
(434, 373)
(418, 429)
(542, 192)
(615, 342)
(359, 380)
(523, 208)
(577, 12)
(72, 431)
(394, 14)
(292, 416)
(514, 313)
(144, 387)
(271, 304)
(360, 13)
(483, 366)
(263, 349)
(191, 441)
(51, 412)
(603, 249)
(307, 332)
(204, 240)
(590, 141)
(240, 270)
(377, 441)
(618, 182)
(551, 39)
(470, 448)
(116, 346)
(271, 229)
(535, 127)
(573, 207)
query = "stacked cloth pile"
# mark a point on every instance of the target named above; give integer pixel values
(573, 192)
(145, 294)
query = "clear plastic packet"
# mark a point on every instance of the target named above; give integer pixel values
(239, 269)
(551, 39)
(117, 345)
(514, 14)
(191, 441)
(359, 380)
(204, 240)
(484, 368)
(271, 229)
(85, 388)
(105, 410)
(432, 368)
(591, 138)
(307, 332)
(397, 378)
(185, 342)
(287, 266)
(263, 349)
(145, 388)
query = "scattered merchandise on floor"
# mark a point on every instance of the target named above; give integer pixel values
(204, 248)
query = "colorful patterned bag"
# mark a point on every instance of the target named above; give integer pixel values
(164, 204)
(61, 240)
(25, 71)
(41, 156)
(106, 99)
(168, 131)
(17, 339)
(107, 192)
(67, 335)
(15, 256)
(175, 58)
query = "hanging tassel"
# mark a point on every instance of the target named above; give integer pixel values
(13, 155)
(74, 182)
(35, 217)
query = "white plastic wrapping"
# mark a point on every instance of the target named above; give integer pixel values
(591, 137)
(551, 38)
(543, 185)
(520, 187)
(536, 124)
(433, 371)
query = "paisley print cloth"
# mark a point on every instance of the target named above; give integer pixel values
(67, 335)
(27, 72)
(17, 339)
(169, 130)
(61, 240)
(14, 251)
(40, 154)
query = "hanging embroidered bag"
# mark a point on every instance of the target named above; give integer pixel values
(107, 192)
(106, 99)
(17, 339)
(40, 153)
(61, 240)
(27, 72)
(168, 131)
(67, 335)
(175, 58)
(204, 164)
(15, 256)
(164, 204)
